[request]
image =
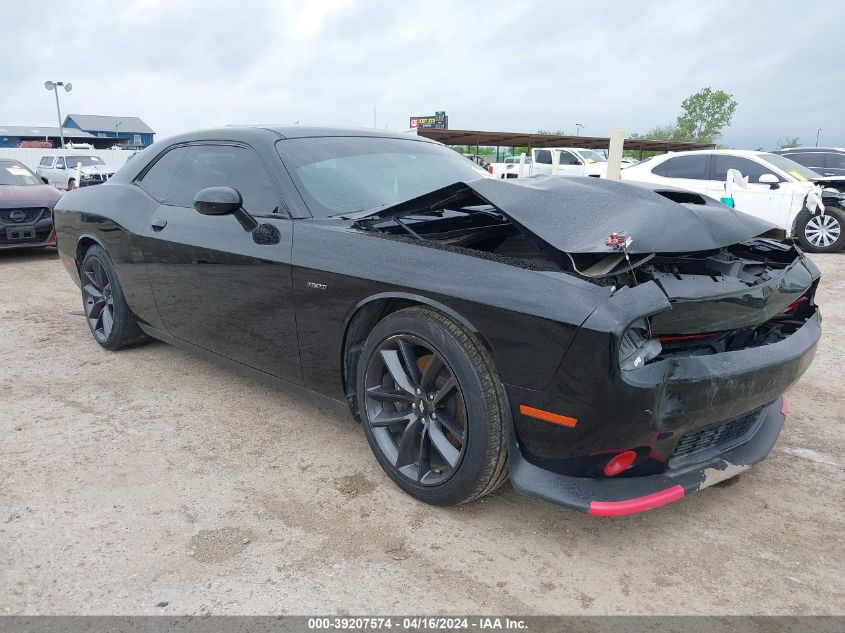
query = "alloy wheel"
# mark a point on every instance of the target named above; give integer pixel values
(98, 299)
(822, 230)
(415, 409)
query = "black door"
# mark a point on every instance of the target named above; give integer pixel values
(215, 284)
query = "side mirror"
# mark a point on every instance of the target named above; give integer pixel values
(769, 179)
(218, 201)
(224, 201)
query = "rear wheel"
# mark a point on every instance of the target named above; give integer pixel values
(432, 407)
(71, 184)
(822, 233)
(109, 317)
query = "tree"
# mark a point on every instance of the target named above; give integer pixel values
(789, 142)
(706, 114)
(661, 133)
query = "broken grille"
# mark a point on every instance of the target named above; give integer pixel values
(716, 439)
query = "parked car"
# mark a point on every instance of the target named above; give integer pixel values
(573, 162)
(60, 171)
(777, 190)
(26, 208)
(826, 161)
(476, 327)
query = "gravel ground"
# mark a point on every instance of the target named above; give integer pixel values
(149, 481)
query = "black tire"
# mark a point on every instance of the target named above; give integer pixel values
(819, 233)
(473, 415)
(108, 316)
(71, 184)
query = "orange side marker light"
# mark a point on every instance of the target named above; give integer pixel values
(547, 416)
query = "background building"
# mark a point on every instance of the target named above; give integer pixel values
(13, 135)
(124, 130)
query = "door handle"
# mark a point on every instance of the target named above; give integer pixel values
(158, 224)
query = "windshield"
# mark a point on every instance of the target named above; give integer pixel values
(796, 170)
(591, 156)
(86, 161)
(338, 175)
(17, 174)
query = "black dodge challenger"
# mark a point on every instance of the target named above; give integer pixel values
(610, 347)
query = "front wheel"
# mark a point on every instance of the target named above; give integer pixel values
(822, 233)
(71, 184)
(109, 317)
(433, 407)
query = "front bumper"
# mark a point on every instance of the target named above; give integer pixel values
(50, 240)
(630, 495)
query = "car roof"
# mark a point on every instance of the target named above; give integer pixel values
(808, 149)
(303, 131)
(252, 132)
(737, 152)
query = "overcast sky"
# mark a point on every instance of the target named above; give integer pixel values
(503, 66)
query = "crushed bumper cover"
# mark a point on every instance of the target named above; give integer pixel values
(621, 496)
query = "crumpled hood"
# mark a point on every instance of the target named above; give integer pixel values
(577, 215)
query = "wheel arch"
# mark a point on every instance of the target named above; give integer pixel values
(365, 314)
(83, 243)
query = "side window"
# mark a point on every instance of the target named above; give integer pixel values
(833, 160)
(158, 179)
(745, 166)
(544, 157)
(693, 167)
(662, 169)
(46, 161)
(813, 160)
(568, 158)
(60, 163)
(224, 166)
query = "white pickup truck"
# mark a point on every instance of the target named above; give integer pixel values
(574, 161)
(60, 171)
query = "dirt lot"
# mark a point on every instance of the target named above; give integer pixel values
(149, 477)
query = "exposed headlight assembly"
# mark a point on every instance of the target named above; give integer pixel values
(637, 346)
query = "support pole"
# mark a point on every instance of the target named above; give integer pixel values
(614, 154)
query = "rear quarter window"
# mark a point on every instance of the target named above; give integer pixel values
(687, 167)
(159, 178)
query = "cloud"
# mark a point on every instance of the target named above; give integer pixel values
(494, 65)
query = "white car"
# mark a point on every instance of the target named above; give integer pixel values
(777, 190)
(574, 161)
(60, 171)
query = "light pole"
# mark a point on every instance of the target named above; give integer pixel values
(54, 86)
(578, 127)
(819, 131)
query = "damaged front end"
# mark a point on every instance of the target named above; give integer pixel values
(675, 381)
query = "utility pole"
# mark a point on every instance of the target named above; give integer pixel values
(578, 127)
(374, 115)
(819, 131)
(54, 86)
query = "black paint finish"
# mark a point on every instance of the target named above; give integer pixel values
(292, 300)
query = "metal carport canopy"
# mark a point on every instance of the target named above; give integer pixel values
(521, 139)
